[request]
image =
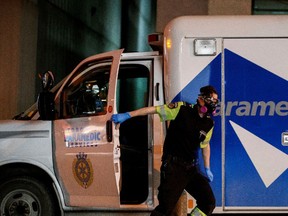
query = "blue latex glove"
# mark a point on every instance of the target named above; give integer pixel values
(121, 117)
(209, 174)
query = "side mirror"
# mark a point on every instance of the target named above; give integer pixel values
(47, 80)
(46, 106)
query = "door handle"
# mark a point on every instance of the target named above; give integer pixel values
(109, 133)
(157, 91)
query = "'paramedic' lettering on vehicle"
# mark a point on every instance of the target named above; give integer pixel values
(256, 108)
(77, 137)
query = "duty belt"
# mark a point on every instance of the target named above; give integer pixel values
(182, 162)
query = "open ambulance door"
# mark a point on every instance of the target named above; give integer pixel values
(86, 152)
(134, 91)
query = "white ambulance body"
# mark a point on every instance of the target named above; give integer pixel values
(82, 162)
(245, 59)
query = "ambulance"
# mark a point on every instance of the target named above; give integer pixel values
(82, 162)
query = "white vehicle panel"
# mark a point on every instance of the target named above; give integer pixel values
(28, 141)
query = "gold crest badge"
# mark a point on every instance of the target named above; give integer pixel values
(82, 170)
(173, 105)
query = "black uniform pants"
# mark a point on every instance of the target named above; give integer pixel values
(175, 177)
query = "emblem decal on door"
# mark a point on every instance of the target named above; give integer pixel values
(82, 170)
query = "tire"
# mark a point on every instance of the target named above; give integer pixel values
(26, 196)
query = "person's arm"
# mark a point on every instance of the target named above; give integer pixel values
(205, 147)
(206, 159)
(121, 117)
(206, 156)
(165, 112)
(143, 111)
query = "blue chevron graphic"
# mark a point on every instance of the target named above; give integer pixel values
(256, 111)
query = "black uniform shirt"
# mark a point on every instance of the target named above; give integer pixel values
(186, 131)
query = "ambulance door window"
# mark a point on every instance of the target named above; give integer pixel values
(86, 95)
(133, 93)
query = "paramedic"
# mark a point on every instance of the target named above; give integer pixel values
(190, 128)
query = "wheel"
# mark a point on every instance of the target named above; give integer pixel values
(25, 196)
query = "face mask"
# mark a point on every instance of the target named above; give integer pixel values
(210, 105)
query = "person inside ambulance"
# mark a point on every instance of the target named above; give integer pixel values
(89, 101)
(46, 106)
(190, 129)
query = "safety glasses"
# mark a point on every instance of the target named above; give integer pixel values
(210, 100)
